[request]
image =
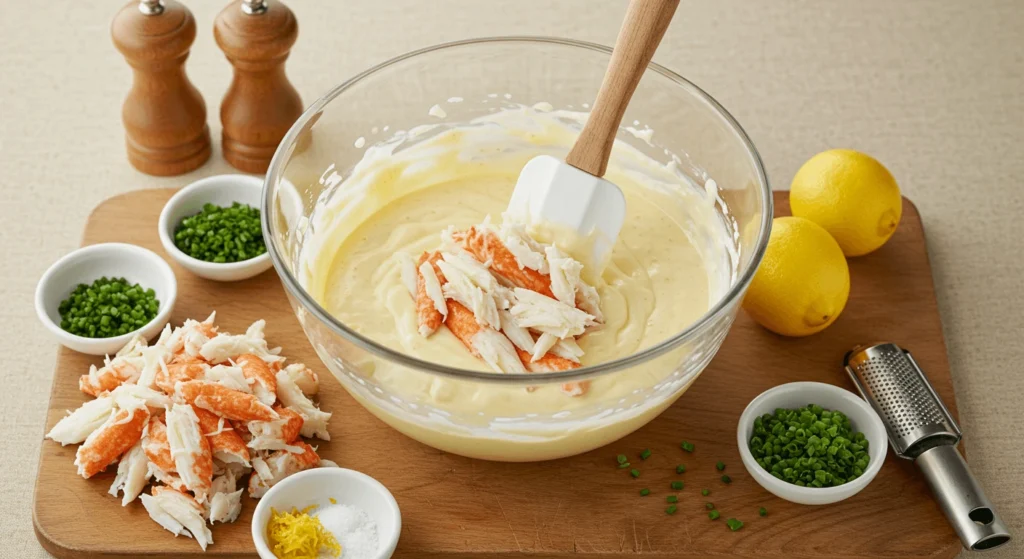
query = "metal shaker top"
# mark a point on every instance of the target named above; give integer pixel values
(891, 381)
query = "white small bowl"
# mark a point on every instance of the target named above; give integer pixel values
(316, 487)
(222, 190)
(85, 265)
(797, 395)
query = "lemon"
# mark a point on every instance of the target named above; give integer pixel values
(802, 283)
(851, 195)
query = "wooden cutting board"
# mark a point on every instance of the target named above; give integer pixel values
(458, 507)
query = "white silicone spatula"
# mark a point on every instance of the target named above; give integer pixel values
(572, 193)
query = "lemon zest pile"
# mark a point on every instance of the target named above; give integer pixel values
(297, 535)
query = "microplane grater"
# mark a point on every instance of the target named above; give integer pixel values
(920, 428)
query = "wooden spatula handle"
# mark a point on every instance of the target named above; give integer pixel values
(642, 30)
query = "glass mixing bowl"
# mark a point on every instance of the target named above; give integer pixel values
(333, 134)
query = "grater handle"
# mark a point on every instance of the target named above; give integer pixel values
(962, 499)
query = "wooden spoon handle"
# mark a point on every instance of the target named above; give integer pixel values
(642, 30)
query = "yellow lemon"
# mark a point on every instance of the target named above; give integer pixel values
(802, 283)
(851, 195)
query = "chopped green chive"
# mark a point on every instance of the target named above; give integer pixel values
(634, 472)
(762, 511)
(713, 515)
(671, 509)
(726, 479)
(221, 234)
(621, 459)
(720, 465)
(106, 308)
(809, 446)
(734, 524)
(709, 506)
(705, 492)
(671, 499)
(624, 465)
(676, 485)
(645, 492)
(645, 454)
(680, 469)
(687, 446)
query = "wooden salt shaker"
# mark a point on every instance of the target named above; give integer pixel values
(261, 104)
(164, 115)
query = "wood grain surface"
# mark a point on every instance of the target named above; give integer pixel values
(457, 507)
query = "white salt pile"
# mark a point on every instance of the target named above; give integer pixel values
(355, 531)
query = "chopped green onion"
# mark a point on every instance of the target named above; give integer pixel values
(762, 511)
(671, 509)
(221, 234)
(713, 515)
(624, 465)
(645, 454)
(709, 506)
(720, 465)
(705, 492)
(635, 473)
(621, 459)
(645, 492)
(676, 485)
(687, 446)
(671, 499)
(809, 446)
(726, 479)
(680, 469)
(734, 524)
(106, 308)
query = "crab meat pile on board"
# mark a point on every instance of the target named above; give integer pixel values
(194, 414)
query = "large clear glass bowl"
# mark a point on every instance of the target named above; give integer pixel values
(331, 137)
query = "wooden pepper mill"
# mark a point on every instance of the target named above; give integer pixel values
(261, 104)
(164, 115)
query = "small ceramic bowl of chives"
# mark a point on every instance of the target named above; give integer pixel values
(219, 190)
(796, 395)
(135, 264)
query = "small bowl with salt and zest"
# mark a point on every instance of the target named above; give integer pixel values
(831, 399)
(221, 191)
(354, 508)
(136, 265)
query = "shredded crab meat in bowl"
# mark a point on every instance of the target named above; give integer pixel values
(515, 303)
(201, 416)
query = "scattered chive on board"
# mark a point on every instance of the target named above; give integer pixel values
(671, 509)
(221, 234)
(687, 446)
(680, 469)
(635, 473)
(106, 308)
(624, 465)
(726, 479)
(621, 459)
(676, 485)
(713, 515)
(671, 499)
(645, 454)
(645, 492)
(809, 446)
(709, 506)
(705, 492)
(734, 524)
(762, 511)
(720, 466)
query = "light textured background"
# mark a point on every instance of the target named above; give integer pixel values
(933, 88)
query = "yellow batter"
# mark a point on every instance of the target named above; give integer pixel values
(669, 266)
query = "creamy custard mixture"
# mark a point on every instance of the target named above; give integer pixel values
(672, 260)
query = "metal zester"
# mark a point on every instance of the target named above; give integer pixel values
(921, 429)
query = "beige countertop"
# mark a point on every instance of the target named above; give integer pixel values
(933, 88)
